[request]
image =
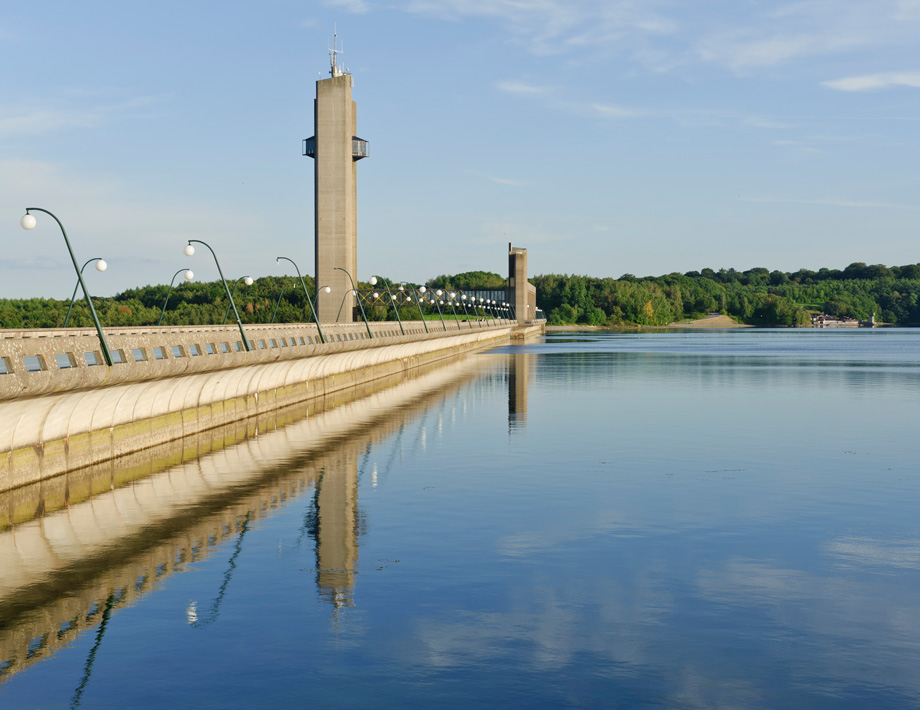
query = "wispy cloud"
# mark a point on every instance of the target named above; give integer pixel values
(871, 82)
(34, 263)
(830, 202)
(506, 181)
(355, 7)
(556, 26)
(809, 28)
(38, 120)
(759, 122)
(521, 89)
(613, 111)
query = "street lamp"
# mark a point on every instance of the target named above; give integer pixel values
(306, 293)
(463, 300)
(246, 280)
(475, 312)
(28, 222)
(188, 277)
(324, 289)
(360, 305)
(100, 266)
(189, 250)
(373, 282)
(450, 299)
(437, 304)
(418, 302)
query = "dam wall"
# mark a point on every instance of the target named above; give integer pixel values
(60, 411)
(70, 563)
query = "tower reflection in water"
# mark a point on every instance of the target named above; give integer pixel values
(519, 365)
(71, 564)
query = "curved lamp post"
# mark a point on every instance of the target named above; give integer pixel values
(437, 303)
(324, 289)
(360, 305)
(476, 312)
(246, 280)
(450, 299)
(373, 282)
(188, 277)
(418, 302)
(189, 250)
(306, 293)
(28, 222)
(277, 303)
(101, 266)
(463, 300)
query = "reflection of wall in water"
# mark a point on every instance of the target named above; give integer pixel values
(518, 383)
(133, 537)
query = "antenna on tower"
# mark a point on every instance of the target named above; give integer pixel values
(334, 52)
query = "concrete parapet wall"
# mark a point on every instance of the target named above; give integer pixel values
(39, 362)
(108, 412)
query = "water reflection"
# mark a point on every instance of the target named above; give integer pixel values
(519, 365)
(65, 572)
(661, 528)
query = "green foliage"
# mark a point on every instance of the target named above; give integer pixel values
(471, 280)
(757, 296)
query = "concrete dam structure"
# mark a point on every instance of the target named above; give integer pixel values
(131, 524)
(61, 409)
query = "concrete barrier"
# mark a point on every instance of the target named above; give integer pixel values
(64, 417)
(74, 550)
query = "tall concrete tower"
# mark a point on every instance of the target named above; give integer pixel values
(336, 150)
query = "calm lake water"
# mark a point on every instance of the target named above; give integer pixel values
(668, 519)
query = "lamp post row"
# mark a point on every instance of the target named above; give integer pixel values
(28, 221)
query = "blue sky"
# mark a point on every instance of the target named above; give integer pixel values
(607, 136)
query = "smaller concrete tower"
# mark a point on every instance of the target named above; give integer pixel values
(523, 293)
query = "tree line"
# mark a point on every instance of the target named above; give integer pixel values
(756, 297)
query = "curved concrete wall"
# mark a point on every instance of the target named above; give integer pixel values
(127, 540)
(44, 361)
(60, 431)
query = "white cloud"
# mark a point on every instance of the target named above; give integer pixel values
(613, 111)
(758, 122)
(36, 122)
(39, 120)
(554, 26)
(506, 181)
(870, 82)
(520, 89)
(355, 7)
(809, 28)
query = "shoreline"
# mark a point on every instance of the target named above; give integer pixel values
(711, 322)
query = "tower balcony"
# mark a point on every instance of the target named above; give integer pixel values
(358, 148)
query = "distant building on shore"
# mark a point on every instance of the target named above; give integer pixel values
(826, 321)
